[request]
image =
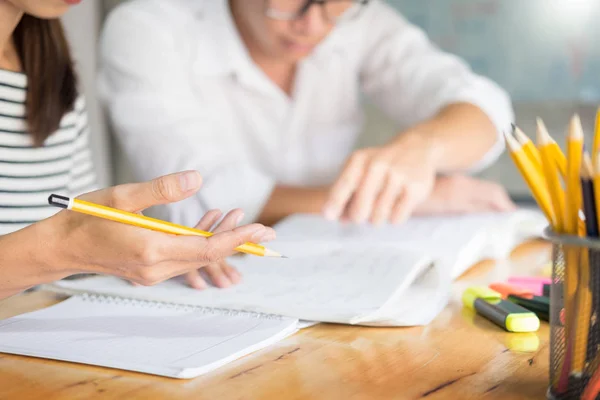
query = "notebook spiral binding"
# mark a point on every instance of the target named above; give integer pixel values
(104, 299)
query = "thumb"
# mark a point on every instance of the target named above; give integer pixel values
(136, 197)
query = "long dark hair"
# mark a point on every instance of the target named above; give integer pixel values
(52, 83)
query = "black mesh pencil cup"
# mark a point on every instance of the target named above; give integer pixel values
(574, 317)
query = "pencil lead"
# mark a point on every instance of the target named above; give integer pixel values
(511, 142)
(520, 136)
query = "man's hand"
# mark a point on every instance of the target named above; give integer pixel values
(385, 183)
(463, 194)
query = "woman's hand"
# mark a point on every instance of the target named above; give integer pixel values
(220, 273)
(83, 243)
(463, 194)
(385, 183)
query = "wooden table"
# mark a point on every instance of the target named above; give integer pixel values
(458, 356)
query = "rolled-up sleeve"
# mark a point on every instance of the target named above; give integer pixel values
(411, 80)
(159, 122)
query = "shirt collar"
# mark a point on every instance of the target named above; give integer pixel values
(221, 49)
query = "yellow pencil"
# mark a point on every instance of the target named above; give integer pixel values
(596, 143)
(146, 222)
(531, 176)
(559, 156)
(596, 180)
(529, 148)
(573, 182)
(583, 297)
(560, 159)
(557, 195)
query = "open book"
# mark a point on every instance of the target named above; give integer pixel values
(455, 242)
(390, 276)
(149, 337)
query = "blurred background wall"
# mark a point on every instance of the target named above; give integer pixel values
(544, 52)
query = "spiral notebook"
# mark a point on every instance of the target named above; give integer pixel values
(150, 337)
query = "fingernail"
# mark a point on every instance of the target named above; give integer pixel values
(198, 284)
(330, 213)
(190, 181)
(359, 219)
(268, 236)
(236, 278)
(223, 282)
(239, 219)
(257, 236)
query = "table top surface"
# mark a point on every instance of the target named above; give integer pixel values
(458, 356)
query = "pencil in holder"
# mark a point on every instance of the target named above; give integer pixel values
(574, 318)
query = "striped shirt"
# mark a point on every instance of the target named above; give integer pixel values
(28, 174)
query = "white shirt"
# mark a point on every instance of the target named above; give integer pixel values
(183, 93)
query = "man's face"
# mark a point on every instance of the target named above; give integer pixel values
(287, 40)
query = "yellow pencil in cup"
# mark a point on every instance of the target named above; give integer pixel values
(529, 148)
(596, 143)
(596, 180)
(559, 156)
(583, 296)
(575, 161)
(548, 155)
(533, 178)
(142, 221)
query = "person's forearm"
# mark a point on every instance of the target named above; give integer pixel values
(458, 136)
(27, 260)
(286, 200)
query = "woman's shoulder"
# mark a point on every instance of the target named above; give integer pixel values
(14, 79)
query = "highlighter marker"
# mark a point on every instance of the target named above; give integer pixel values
(506, 289)
(538, 304)
(525, 298)
(506, 314)
(546, 290)
(534, 284)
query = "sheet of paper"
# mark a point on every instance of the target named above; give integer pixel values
(172, 341)
(328, 282)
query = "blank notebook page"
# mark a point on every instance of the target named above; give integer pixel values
(154, 338)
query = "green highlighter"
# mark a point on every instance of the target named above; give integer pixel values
(506, 314)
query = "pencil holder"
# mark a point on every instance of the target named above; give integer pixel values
(574, 317)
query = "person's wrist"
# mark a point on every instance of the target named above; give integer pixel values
(424, 141)
(52, 247)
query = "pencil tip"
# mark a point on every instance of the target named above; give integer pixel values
(511, 142)
(576, 130)
(543, 137)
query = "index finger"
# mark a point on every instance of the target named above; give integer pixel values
(344, 187)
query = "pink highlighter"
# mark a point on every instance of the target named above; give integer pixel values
(531, 283)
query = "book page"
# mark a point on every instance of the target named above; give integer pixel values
(139, 336)
(456, 242)
(319, 282)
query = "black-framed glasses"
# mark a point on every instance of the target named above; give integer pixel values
(334, 11)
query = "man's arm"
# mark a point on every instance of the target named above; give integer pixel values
(424, 89)
(287, 200)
